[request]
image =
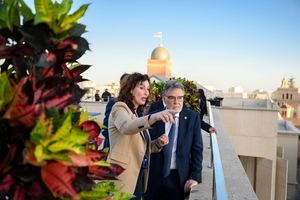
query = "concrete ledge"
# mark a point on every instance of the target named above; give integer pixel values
(237, 182)
(204, 190)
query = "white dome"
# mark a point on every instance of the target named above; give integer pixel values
(160, 53)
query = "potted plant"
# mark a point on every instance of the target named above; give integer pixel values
(47, 146)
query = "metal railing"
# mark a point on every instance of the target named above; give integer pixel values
(219, 187)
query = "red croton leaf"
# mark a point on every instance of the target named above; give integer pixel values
(88, 158)
(101, 173)
(6, 52)
(80, 69)
(6, 183)
(46, 60)
(12, 149)
(59, 178)
(66, 43)
(92, 128)
(59, 102)
(19, 193)
(48, 72)
(67, 71)
(34, 190)
(99, 141)
(20, 112)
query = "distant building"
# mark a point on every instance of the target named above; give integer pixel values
(259, 94)
(113, 88)
(287, 96)
(233, 92)
(160, 64)
(90, 88)
(236, 89)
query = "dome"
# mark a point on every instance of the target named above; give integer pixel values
(160, 53)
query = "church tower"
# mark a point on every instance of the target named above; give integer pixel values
(159, 63)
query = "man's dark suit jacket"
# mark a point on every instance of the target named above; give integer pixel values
(188, 154)
(158, 106)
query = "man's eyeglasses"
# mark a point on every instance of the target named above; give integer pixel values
(173, 98)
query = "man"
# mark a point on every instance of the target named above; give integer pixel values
(106, 95)
(159, 105)
(97, 96)
(173, 179)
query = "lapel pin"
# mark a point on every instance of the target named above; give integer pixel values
(185, 117)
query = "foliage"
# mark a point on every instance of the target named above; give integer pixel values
(190, 95)
(47, 147)
(156, 90)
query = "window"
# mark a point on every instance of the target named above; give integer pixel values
(283, 113)
(282, 96)
(287, 96)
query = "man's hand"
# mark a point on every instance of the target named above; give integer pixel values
(163, 140)
(189, 184)
(167, 116)
(212, 130)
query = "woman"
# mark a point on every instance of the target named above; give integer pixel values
(202, 103)
(130, 144)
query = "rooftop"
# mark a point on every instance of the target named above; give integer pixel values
(286, 127)
(257, 104)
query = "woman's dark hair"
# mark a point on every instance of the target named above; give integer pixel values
(125, 94)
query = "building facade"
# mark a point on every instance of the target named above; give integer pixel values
(287, 96)
(253, 131)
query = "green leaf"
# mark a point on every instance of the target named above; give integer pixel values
(25, 11)
(41, 153)
(38, 133)
(63, 8)
(3, 15)
(77, 135)
(102, 163)
(104, 186)
(84, 116)
(6, 91)
(64, 129)
(56, 15)
(64, 145)
(122, 196)
(44, 11)
(99, 191)
(57, 118)
(69, 20)
(77, 30)
(91, 195)
(60, 156)
(105, 189)
(13, 15)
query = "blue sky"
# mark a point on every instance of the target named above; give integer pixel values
(247, 43)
